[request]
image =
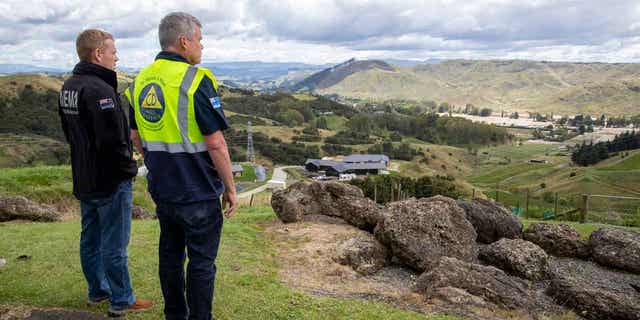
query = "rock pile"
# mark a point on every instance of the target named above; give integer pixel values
(475, 253)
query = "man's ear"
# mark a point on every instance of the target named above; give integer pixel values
(97, 54)
(183, 42)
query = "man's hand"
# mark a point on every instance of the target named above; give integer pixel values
(230, 202)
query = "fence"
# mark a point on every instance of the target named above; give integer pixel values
(540, 204)
(612, 209)
(257, 199)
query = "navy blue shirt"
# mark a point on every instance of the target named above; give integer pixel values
(187, 177)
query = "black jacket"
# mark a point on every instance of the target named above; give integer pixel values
(96, 128)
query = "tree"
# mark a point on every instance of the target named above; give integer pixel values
(321, 123)
(291, 117)
(635, 120)
(444, 107)
(360, 123)
(468, 108)
(485, 112)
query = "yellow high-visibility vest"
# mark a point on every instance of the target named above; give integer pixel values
(163, 104)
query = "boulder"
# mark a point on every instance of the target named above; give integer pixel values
(420, 231)
(617, 248)
(21, 208)
(558, 239)
(594, 292)
(292, 203)
(457, 296)
(491, 284)
(517, 257)
(140, 213)
(364, 254)
(330, 198)
(491, 221)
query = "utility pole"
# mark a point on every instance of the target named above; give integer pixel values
(251, 156)
(526, 204)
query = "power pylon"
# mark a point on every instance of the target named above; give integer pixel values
(251, 155)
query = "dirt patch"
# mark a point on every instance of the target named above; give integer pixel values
(306, 253)
(13, 312)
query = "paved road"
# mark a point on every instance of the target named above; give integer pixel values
(278, 180)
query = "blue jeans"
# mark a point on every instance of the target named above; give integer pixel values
(197, 227)
(106, 227)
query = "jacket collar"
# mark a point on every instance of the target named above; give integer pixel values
(168, 55)
(107, 75)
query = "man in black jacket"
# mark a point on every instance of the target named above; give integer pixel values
(95, 126)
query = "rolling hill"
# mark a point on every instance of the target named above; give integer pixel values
(333, 76)
(515, 85)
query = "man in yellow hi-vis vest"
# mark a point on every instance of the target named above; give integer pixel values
(177, 123)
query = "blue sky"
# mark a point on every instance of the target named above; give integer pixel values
(43, 32)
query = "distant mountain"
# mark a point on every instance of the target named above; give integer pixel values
(411, 63)
(334, 75)
(27, 68)
(260, 75)
(510, 85)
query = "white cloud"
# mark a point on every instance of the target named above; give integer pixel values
(322, 31)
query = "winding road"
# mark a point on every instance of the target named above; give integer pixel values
(278, 181)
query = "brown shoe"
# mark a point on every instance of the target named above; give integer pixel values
(137, 306)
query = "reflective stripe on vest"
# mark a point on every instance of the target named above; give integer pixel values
(183, 104)
(183, 100)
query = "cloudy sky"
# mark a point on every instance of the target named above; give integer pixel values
(43, 32)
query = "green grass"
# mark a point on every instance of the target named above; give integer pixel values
(248, 173)
(630, 163)
(336, 123)
(247, 285)
(509, 171)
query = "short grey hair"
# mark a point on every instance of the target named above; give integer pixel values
(175, 25)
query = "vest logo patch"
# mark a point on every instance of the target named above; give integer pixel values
(215, 102)
(151, 102)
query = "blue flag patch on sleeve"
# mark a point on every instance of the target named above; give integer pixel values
(215, 102)
(106, 103)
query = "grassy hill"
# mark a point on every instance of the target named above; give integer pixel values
(331, 76)
(11, 85)
(561, 88)
(26, 150)
(505, 168)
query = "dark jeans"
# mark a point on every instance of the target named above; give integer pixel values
(197, 227)
(106, 228)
